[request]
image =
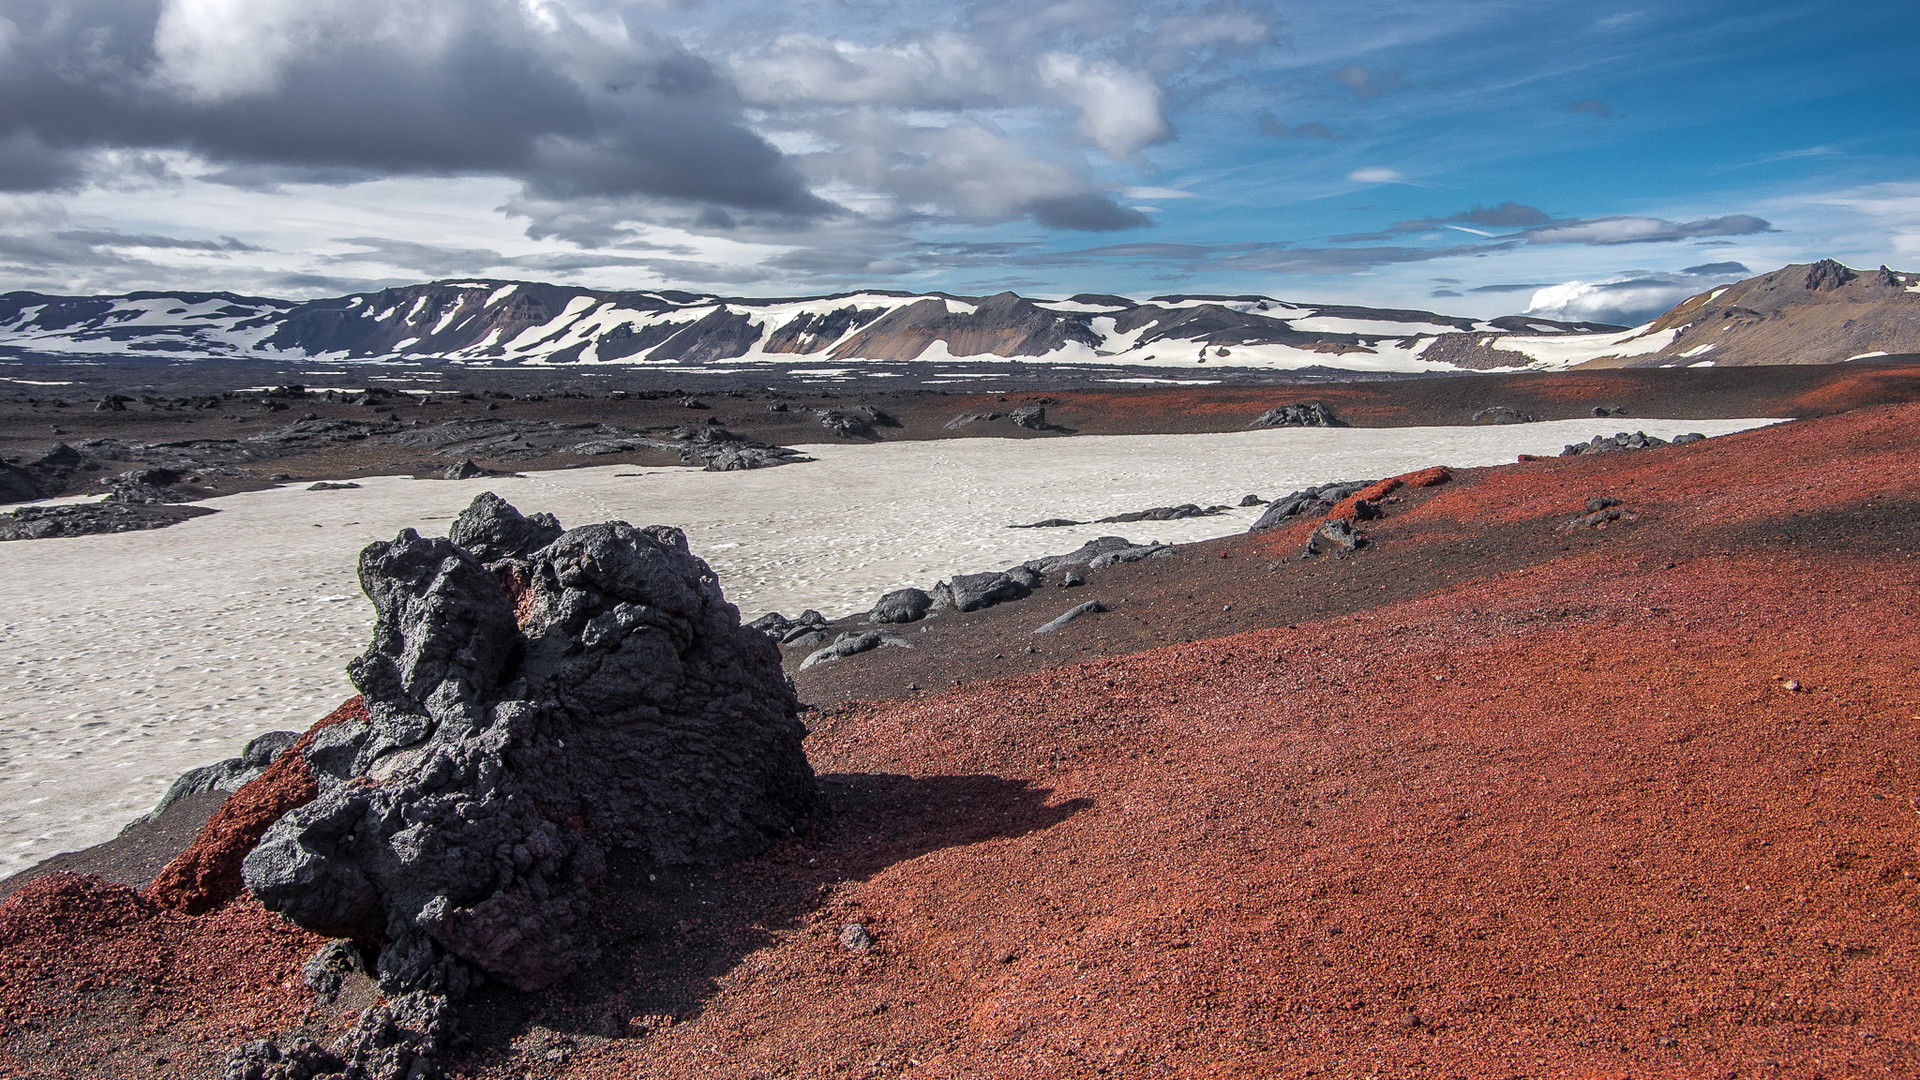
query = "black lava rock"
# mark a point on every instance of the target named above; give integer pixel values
(1298, 414)
(527, 717)
(902, 606)
(491, 529)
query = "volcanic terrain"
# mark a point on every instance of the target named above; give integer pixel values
(1519, 788)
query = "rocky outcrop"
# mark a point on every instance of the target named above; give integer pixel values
(526, 716)
(1638, 440)
(1298, 414)
(1307, 502)
(90, 519)
(147, 487)
(719, 450)
(1827, 275)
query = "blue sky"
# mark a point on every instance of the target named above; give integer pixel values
(1586, 160)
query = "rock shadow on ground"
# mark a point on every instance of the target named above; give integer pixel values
(670, 937)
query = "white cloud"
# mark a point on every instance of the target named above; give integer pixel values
(1120, 110)
(1894, 211)
(1627, 301)
(1376, 176)
(1642, 230)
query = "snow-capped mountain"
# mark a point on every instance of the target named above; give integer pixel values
(503, 323)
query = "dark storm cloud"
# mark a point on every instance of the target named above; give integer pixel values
(329, 91)
(28, 164)
(1086, 213)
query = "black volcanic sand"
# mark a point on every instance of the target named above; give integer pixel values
(34, 419)
(138, 853)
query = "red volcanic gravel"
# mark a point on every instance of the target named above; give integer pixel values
(96, 981)
(1600, 816)
(207, 874)
(1622, 801)
(1348, 509)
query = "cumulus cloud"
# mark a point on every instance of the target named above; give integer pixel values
(1120, 110)
(1629, 299)
(426, 87)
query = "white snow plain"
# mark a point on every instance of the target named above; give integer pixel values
(127, 659)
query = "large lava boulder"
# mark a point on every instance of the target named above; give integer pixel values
(528, 715)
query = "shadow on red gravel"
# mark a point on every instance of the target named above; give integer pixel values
(669, 937)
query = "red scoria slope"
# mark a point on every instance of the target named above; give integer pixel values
(1644, 806)
(1565, 821)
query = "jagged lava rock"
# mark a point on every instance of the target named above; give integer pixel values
(1298, 414)
(525, 717)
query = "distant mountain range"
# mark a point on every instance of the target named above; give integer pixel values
(1817, 313)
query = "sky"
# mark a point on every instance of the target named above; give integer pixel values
(1586, 160)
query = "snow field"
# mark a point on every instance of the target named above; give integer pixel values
(127, 659)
